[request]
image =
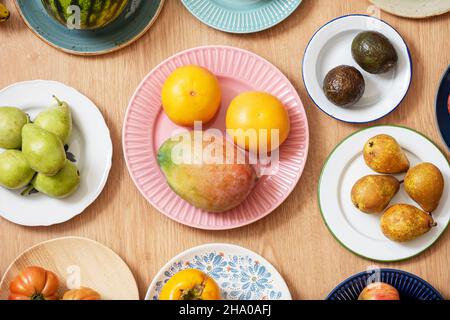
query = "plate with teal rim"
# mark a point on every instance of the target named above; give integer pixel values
(240, 273)
(359, 232)
(241, 16)
(136, 19)
(409, 286)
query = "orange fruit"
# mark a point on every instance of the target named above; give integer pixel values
(190, 284)
(191, 93)
(252, 112)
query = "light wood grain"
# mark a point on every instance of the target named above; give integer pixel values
(294, 237)
(77, 262)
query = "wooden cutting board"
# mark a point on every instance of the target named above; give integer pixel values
(77, 261)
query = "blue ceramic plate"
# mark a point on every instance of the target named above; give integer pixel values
(442, 110)
(241, 16)
(408, 285)
(128, 27)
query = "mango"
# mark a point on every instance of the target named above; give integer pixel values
(205, 171)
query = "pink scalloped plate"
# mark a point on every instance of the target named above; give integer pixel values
(146, 127)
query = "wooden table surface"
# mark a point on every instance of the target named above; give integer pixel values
(294, 237)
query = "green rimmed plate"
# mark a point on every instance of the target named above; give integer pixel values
(360, 232)
(136, 19)
(241, 16)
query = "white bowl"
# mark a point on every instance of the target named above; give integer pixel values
(331, 46)
(90, 143)
(360, 232)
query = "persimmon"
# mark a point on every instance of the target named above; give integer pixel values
(82, 293)
(190, 284)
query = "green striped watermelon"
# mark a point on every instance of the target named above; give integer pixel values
(93, 13)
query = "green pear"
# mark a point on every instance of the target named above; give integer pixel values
(424, 183)
(56, 119)
(15, 172)
(372, 193)
(61, 185)
(11, 122)
(43, 150)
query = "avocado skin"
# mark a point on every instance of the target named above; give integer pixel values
(374, 52)
(344, 85)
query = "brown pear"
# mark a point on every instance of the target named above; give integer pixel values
(424, 183)
(373, 193)
(403, 222)
(383, 154)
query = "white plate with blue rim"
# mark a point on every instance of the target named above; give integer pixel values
(90, 147)
(359, 232)
(330, 47)
(240, 273)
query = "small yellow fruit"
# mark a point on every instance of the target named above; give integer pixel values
(82, 293)
(190, 284)
(251, 112)
(189, 94)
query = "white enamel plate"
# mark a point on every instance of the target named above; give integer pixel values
(240, 273)
(360, 232)
(331, 46)
(90, 144)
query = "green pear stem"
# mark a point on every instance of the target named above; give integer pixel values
(57, 100)
(27, 191)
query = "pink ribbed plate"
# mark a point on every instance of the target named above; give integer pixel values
(146, 127)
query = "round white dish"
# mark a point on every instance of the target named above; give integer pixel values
(330, 47)
(241, 274)
(360, 232)
(413, 9)
(90, 144)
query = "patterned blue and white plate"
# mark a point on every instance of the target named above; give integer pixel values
(241, 16)
(136, 19)
(409, 286)
(240, 273)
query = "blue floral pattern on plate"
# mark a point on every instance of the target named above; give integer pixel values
(240, 277)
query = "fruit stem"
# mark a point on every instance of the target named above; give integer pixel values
(57, 100)
(195, 293)
(27, 191)
(37, 296)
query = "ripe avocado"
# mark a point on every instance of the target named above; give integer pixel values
(374, 52)
(344, 85)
